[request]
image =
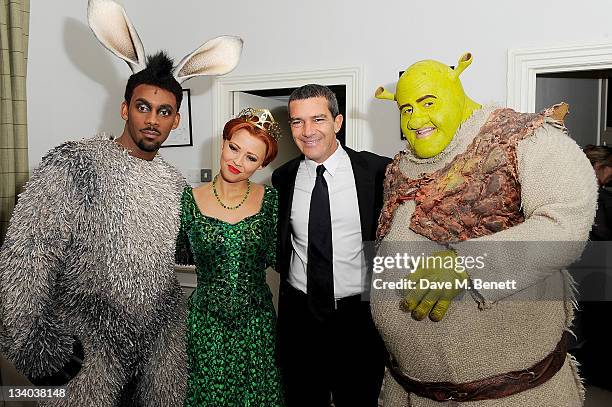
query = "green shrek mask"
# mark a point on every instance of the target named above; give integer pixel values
(432, 104)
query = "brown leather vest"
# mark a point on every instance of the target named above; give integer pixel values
(476, 194)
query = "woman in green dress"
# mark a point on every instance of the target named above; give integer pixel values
(228, 228)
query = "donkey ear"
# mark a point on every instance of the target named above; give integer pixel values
(215, 57)
(113, 28)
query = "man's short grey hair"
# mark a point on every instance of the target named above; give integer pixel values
(314, 91)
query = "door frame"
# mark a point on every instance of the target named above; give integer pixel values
(224, 88)
(525, 63)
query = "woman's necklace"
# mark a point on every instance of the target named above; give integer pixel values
(214, 188)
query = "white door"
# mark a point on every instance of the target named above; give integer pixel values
(286, 151)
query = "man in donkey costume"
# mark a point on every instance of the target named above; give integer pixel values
(88, 295)
(472, 175)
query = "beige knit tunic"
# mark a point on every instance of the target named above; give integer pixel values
(494, 331)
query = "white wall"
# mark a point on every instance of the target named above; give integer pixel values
(75, 86)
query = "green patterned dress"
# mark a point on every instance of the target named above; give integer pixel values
(231, 322)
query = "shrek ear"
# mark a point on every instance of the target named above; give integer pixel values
(382, 93)
(113, 28)
(215, 57)
(464, 62)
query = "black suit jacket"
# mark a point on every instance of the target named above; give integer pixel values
(369, 173)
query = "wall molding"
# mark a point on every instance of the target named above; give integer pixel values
(524, 64)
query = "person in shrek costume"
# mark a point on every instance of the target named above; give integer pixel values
(473, 174)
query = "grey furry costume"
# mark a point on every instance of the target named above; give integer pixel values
(90, 254)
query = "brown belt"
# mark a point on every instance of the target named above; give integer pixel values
(494, 387)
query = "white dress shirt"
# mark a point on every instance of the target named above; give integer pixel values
(348, 259)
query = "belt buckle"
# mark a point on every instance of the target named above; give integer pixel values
(446, 394)
(454, 395)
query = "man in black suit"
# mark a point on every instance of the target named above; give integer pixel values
(329, 202)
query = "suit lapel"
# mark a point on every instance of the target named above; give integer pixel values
(364, 183)
(284, 215)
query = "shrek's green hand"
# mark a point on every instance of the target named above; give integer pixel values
(435, 287)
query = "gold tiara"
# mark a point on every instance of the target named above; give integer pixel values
(263, 119)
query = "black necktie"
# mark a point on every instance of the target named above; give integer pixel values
(320, 276)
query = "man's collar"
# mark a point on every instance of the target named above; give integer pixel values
(331, 164)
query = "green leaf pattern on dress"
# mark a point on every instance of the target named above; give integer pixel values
(231, 322)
